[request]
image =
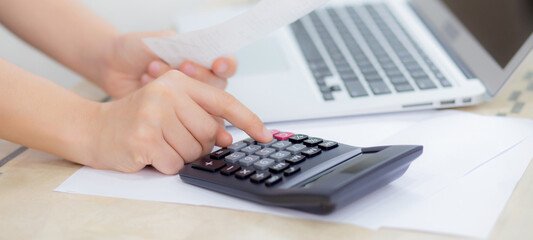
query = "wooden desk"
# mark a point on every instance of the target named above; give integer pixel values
(30, 209)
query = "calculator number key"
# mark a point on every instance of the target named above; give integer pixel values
(281, 145)
(237, 146)
(251, 149)
(280, 156)
(265, 152)
(264, 163)
(209, 165)
(235, 157)
(268, 144)
(296, 148)
(249, 160)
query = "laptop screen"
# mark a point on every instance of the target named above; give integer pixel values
(489, 39)
(500, 26)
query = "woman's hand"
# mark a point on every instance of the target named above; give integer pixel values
(168, 122)
(129, 65)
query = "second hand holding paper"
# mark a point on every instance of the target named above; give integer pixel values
(205, 46)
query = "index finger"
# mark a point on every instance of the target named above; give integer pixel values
(222, 104)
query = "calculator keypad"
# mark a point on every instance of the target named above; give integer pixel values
(266, 163)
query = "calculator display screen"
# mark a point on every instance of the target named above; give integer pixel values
(342, 172)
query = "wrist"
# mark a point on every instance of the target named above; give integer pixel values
(78, 135)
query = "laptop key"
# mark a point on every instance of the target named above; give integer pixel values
(328, 96)
(355, 89)
(379, 88)
(425, 83)
(403, 87)
(398, 79)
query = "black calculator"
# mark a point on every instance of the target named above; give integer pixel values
(298, 171)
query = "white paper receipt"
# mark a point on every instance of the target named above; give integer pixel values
(206, 45)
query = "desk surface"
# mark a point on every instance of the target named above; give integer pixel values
(30, 209)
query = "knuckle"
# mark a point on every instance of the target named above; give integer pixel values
(194, 151)
(174, 74)
(143, 137)
(228, 102)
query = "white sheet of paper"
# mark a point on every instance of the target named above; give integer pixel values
(398, 200)
(471, 206)
(204, 46)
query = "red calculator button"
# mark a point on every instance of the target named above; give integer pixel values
(282, 136)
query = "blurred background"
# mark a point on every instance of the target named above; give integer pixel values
(126, 15)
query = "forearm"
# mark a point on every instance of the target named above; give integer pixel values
(39, 114)
(63, 29)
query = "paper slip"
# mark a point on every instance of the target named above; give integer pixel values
(480, 146)
(205, 46)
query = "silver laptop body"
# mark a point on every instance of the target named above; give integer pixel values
(365, 57)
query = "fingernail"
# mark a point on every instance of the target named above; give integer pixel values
(267, 133)
(189, 69)
(153, 68)
(145, 79)
(222, 68)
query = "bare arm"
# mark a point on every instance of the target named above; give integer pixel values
(40, 114)
(170, 121)
(63, 29)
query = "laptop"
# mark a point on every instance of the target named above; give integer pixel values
(366, 57)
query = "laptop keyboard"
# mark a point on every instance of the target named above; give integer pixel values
(387, 66)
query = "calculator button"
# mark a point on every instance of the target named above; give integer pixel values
(230, 169)
(296, 148)
(311, 152)
(264, 163)
(298, 138)
(292, 170)
(265, 152)
(237, 146)
(280, 156)
(249, 141)
(282, 136)
(273, 180)
(251, 149)
(311, 142)
(295, 159)
(235, 157)
(328, 145)
(279, 167)
(244, 173)
(265, 145)
(220, 154)
(259, 177)
(249, 160)
(281, 145)
(209, 165)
